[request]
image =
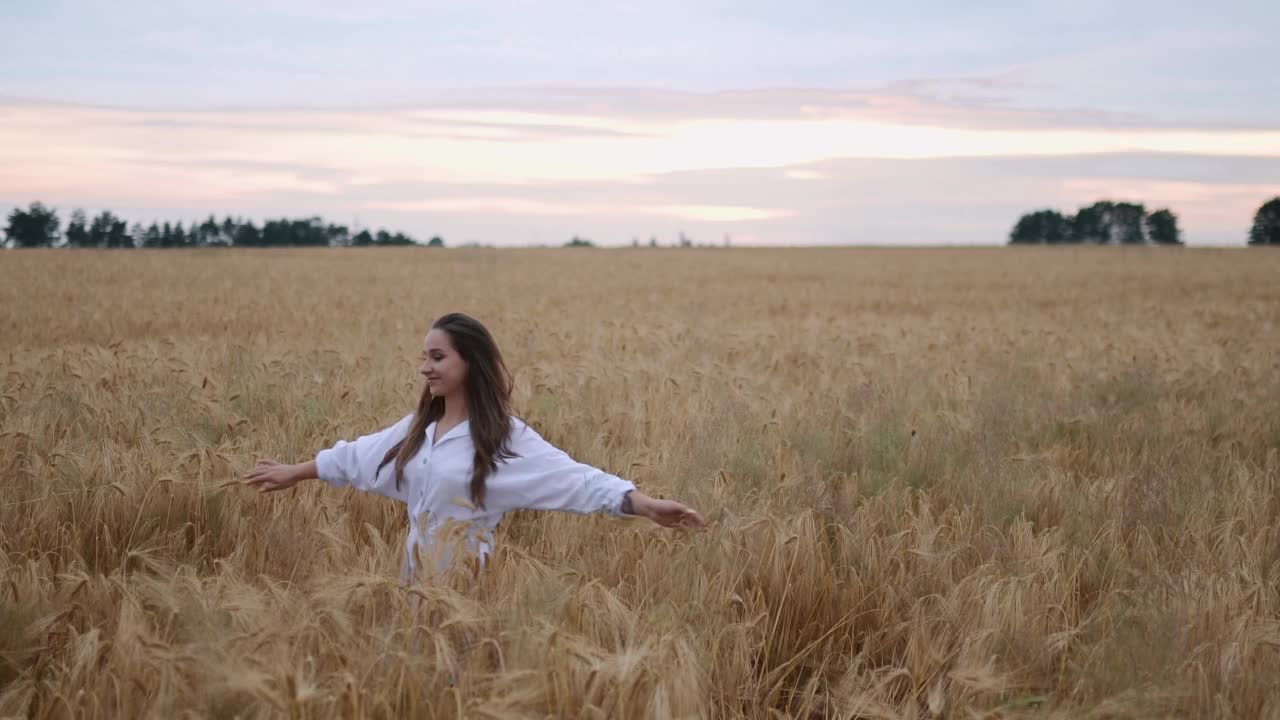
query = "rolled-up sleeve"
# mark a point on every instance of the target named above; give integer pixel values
(355, 463)
(543, 477)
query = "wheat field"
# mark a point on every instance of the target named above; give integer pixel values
(952, 483)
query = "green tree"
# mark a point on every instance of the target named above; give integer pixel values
(37, 226)
(1162, 228)
(310, 232)
(1126, 224)
(228, 232)
(248, 235)
(362, 239)
(78, 230)
(109, 231)
(1040, 228)
(1266, 224)
(436, 241)
(1092, 224)
(579, 242)
(152, 238)
(338, 235)
(303, 232)
(397, 238)
(206, 233)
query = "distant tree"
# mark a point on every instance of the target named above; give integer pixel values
(1026, 231)
(1126, 224)
(310, 232)
(78, 230)
(338, 235)
(206, 233)
(118, 235)
(362, 239)
(1092, 224)
(1162, 228)
(227, 233)
(37, 226)
(1266, 224)
(137, 234)
(579, 242)
(109, 231)
(99, 228)
(275, 232)
(152, 237)
(248, 235)
(653, 241)
(685, 241)
(383, 237)
(180, 237)
(166, 235)
(1040, 228)
(435, 241)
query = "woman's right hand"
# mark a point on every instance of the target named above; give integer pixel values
(272, 475)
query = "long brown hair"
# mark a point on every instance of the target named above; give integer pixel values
(488, 386)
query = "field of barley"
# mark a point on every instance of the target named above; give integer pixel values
(940, 483)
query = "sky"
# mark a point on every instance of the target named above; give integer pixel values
(518, 122)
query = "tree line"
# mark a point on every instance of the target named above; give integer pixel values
(1101, 223)
(1104, 222)
(1121, 223)
(39, 226)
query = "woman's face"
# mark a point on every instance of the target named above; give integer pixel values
(442, 366)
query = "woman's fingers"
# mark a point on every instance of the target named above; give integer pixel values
(279, 484)
(677, 514)
(265, 483)
(259, 476)
(686, 516)
(690, 518)
(263, 466)
(264, 476)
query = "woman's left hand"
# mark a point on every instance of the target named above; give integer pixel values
(667, 513)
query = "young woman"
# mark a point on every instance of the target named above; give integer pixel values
(462, 458)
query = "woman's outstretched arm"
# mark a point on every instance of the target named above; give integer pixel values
(543, 477)
(353, 463)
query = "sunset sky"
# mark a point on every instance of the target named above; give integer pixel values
(522, 122)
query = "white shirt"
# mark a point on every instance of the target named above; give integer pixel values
(437, 483)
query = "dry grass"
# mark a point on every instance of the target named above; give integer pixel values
(969, 483)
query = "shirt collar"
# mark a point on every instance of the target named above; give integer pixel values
(456, 431)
